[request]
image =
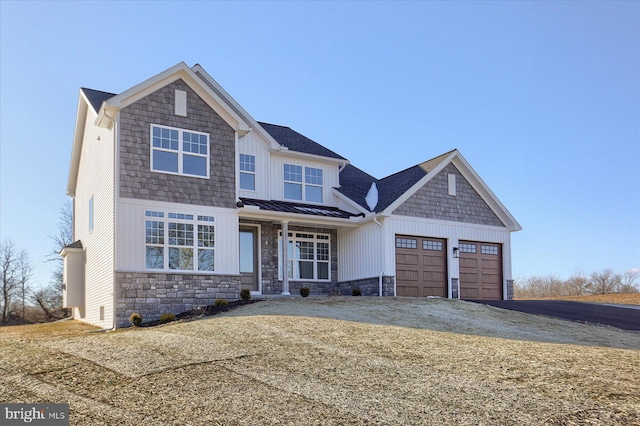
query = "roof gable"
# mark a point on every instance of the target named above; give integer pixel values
(96, 97)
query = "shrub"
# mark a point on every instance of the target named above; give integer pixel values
(135, 319)
(245, 294)
(304, 291)
(220, 302)
(356, 292)
(167, 317)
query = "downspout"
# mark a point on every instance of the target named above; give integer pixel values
(375, 219)
(116, 180)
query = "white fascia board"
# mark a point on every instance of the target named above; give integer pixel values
(426, 178)
(264, 137)
(179, 71)
(313, 157)
(485, 192)
(349, 201)
(68, 250)
(297, 219)
(76, 149)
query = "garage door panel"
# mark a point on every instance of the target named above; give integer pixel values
(404, 275)
(490, 264)
(421, 266)
(468, 262)
(407, 259)
(408, 291)
(430, 260)
(480, 270)
(467, 277)
(490, 279)
(469, 293)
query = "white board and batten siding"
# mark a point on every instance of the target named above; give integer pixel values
(251, 146)
(130, 249)
(96, 179)
(360, 252)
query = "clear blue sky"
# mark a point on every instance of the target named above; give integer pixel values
(542, 98)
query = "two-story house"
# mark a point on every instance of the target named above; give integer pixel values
(180, 197)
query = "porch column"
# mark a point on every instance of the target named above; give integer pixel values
(285, 258)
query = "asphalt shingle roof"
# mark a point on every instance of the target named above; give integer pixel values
(355, 184)
(96, 97)
(296, 142)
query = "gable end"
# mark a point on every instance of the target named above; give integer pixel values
(136, 178)
(433, 201)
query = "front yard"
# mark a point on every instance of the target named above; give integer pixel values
(335, 360)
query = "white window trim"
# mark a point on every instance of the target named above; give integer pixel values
(452, 184)
(180, 151)
(165, 219)
(248, 172)
(315, 240)
(303, 184)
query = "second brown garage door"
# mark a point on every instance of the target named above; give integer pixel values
(480, 270)
(421, 266)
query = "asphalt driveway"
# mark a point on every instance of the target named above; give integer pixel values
(592, 313)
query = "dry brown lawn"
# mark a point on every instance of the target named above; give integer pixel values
(619, 299)
(332, 361)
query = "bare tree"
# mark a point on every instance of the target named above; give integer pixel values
(577, 284)
(15, 272)
(24, 273)
(539, 286)
(628, 282)
(49, 298)
(604, 282)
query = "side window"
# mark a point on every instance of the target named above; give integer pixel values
(248, 172)
(91, 214)
(292, 182)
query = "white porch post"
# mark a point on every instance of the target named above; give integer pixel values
(285, 258)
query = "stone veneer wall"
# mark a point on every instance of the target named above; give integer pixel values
(136, 178)
(368, 286)
(510, 289)
(271, 284)
(433, 201)
(153, 294)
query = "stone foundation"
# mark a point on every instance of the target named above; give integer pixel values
(510, 289)
(368, 286)
(154, 294)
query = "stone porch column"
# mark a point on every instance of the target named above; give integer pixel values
(285, 258)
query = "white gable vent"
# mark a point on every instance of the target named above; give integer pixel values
(181, 103)
(452, 184)
(372, 197)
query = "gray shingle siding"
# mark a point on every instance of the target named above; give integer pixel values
(136, 178)
(434, 202)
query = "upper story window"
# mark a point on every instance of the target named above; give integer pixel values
(248, 172)
(178, 151)
(293, 183)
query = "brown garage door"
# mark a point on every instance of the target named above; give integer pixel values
(480, 270)
(421, 266)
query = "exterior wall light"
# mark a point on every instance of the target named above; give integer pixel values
(456, 253)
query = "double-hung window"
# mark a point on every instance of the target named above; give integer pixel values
(295, 186)
(179, 151)
(308, 255)
(248, 172)
(177, 241)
